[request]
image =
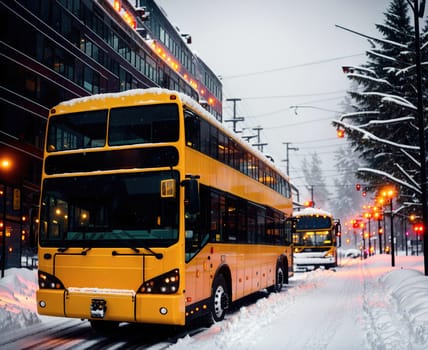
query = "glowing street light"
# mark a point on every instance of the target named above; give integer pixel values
(389, 193)
(5, 166)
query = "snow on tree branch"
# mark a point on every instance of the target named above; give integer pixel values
(369, 135)
(382, 56)
(366, 77)
(413, 159)
(391, 98)
(407, 175)
(389, 121)
(358, 114)
(391, 177)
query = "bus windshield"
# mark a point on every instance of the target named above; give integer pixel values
(313, 222)
(127, 125)
(313, 238)
(143, 124)
(108, 210)
(77, 130)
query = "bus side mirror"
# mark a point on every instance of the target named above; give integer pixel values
(337, 228)
(338, 232)
(191, 197)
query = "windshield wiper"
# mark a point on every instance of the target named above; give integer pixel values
(83, 252)
(136, 250)
(131, 245)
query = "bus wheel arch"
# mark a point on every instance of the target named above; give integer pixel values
(281, 275)
(286, 269)
(221, 296)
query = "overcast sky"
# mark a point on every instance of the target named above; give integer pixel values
(274, 54)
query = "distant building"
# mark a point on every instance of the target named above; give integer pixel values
(62, 49)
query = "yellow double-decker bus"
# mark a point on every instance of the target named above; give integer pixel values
(153, 212)
(316, 237)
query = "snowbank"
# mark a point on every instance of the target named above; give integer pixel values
(18, 299)
(409, 288)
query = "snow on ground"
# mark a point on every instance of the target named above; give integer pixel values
(364, 304)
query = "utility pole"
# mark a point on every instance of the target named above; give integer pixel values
(249, 137)
(235, 119)
(259, 145)
(311, 188)
(287, 159)
(418, 13)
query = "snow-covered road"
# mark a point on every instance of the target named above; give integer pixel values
(350, 307)
(360, 305)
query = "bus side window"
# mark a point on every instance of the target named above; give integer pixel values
(192, 130)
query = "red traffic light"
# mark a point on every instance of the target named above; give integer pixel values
(356, 223)
(358, 187)
(419, 228)
(309, 204)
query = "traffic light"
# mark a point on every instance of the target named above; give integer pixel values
(356, 223)
(419, 228)
(309, 204)
(340, 133)
(358, 187)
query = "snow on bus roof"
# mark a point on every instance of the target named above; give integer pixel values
(311, 211)
(187, 100)
(132, 92)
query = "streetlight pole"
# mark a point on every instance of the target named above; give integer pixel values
(418, 13)
(389, 193)
(287, 159)
(3, 240)
(379, 233)
(392, 234)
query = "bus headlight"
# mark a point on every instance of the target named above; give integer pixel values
(163, 284)
(48, 281)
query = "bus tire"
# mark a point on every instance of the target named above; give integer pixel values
(104, 327)
(279, 280)
(219, 299)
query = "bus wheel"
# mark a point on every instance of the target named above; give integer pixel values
(219, 299)
(104, 327)
(279, 280)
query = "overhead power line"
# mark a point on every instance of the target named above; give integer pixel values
(289, 67)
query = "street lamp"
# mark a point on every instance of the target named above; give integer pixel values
(368, 216)
(378, 217)
(389, 193)
(5, 166)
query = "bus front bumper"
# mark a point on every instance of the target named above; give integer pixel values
(112, 305)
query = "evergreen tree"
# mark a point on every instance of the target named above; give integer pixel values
(382, 127)
(312, 171)
(347, 199)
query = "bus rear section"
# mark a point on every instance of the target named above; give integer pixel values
(315, 243)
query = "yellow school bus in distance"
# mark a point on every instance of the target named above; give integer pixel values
(315, 239)
(151, 211)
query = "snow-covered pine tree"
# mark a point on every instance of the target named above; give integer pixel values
(312, 171)
(383, 129)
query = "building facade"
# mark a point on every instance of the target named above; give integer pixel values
(55, 50)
